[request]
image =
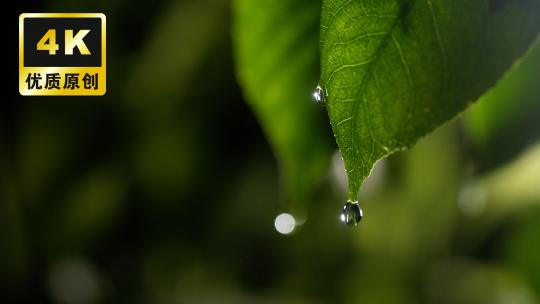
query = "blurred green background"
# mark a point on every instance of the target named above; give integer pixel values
(165, 190)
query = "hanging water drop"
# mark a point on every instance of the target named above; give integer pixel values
(351, 214)
(319, 95)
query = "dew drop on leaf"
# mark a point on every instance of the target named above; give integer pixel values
(320, 95)
(351, 214)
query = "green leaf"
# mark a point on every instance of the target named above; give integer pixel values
(395, 70)
(276, 52)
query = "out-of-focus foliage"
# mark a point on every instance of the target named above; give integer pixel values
(517, 92)
(139, 197)
(512, 105)
(277, 57)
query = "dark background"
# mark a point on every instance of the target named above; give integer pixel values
(165, 190)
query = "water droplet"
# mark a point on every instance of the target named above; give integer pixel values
(285, 223)
(319, 95)
(351, 214)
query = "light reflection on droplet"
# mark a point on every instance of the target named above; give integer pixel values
(285, 223)
(319, 95)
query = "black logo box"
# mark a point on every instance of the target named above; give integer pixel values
(35, 28)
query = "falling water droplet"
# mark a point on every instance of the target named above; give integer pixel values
(351, 214)
(285, 223)
(319, 95)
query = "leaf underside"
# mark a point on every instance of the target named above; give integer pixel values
(395, 70)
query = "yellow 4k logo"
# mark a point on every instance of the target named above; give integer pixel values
(48, 42)
(62, 54)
